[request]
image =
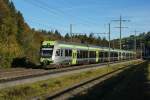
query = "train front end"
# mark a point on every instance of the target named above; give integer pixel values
(46, 52)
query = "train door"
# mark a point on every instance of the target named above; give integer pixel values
(74, 57)
(97, 56)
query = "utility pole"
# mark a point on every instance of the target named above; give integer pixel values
(120, 27)
(71, 32)
(144, 50)
(109, 44)
(113, 46)
(135, 43)
(141, 50)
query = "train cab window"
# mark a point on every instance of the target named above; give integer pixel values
(58, 52)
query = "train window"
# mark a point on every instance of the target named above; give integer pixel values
(78, 54)
(127, 55)
(119, 53)
(106, 54)
(61, 52)
(92, 54)
(100, 54)
(123, 54)
(115, 54)
(86, 54)
(58, 52)
(81, 54)
(70, 53)
(111, 54)
(66, 53)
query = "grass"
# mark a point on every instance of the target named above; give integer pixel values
(127, 85)
(148, 77)
(23, 92)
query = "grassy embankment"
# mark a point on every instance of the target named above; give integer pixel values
(130, 84)
(54, 84)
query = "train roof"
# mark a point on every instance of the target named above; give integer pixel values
(82, 46)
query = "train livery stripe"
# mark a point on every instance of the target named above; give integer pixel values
(74, 56)
(97, 56)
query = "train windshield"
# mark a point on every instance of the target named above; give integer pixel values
(46, 52)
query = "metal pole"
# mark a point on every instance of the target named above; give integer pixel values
(113, 49)
(109, 44)
(120, 27)
(141, 51)
(120, 20)
(135, 44)
(71, 32)
(120, 32)
(144, 50)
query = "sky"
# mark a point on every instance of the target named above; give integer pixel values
(86, 16)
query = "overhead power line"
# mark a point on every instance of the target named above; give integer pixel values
(56, 11)
(47, 26)
(61, 11)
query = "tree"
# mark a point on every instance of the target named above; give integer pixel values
(67, 36)
(57, 34)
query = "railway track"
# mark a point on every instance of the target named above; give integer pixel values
(39, 75)
(85, 85)
(11, 74)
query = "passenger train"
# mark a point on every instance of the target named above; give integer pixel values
(58, 53)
